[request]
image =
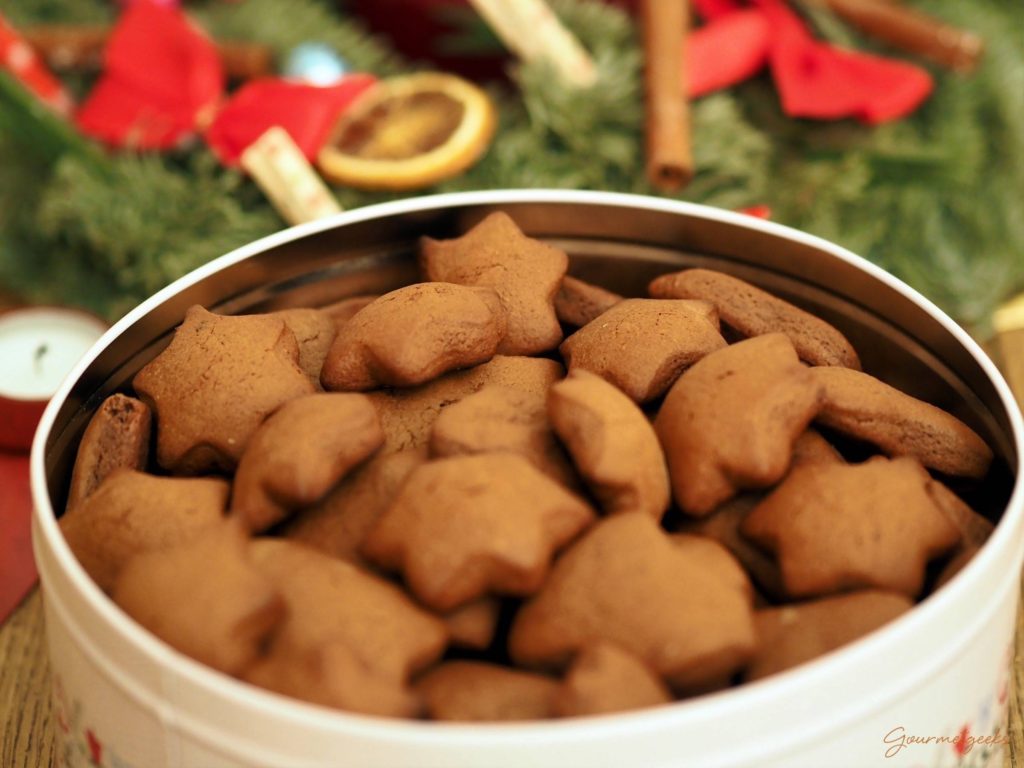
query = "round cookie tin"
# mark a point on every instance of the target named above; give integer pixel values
(929, 689)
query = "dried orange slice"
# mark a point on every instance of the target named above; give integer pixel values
(409, 132)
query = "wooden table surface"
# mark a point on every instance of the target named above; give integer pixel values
(27, 735)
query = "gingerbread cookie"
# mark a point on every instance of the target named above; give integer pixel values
(793, 634)
(834, 527)
(133, 512)
(642, 345)
(343, 310)
(330, 600)
(974, 529)
(314, 332)
(502, 419)
(623, 582)
(408, 415)
(204, 598)
(723, 525)
(861, 406)
(300, 453)
(730, 422)
(464, 526)
(753, 312)
(471, 691)
(413, 335)
(612, 444)
(338, 523)
(604, 678)
(578, 302)
(473, 625)
(333, 675)
(214, 385)
(525, 273)
(117, 438)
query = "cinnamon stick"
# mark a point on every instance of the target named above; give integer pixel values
(532, 32)
(669, 152)
(79, 47)
(911, 30)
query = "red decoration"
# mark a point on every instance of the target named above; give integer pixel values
(728, 51)
(162, 77)
(18, 58)
(963, 740)
(814, 79)
(757, 211)
(163, 82)
(307, 112)
(95, 747)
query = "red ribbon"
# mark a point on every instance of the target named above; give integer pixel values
(163, 83)
(814, 79)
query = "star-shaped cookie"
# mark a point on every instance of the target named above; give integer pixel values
(463, 526)
(681, 604)
(835, 527)
(214, 385)
(525, 273)
(642, 345)
(730, 422)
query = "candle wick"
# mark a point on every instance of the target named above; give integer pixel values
(41, 350)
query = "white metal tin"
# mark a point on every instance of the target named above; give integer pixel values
(927, 690)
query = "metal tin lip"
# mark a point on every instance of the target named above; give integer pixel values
(1006, 537)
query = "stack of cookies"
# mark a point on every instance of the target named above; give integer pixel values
(503, 493)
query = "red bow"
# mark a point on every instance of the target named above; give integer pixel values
(163, 82)
(814, 79)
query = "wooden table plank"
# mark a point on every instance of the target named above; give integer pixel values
(27, 735)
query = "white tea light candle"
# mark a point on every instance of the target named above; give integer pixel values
(38, 347)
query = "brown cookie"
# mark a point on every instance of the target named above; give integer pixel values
(642, 345)
(525, 273)
(793, 634)
(117, 438)
(578, 302)
(204, 598)
(345, 309)
(300, 453)
(612, 444)
(464, 526)
(333, 675)
(723, 525)
(133, 512)
(861, 406)
(730, 422)
(330, 600)
(623, 582)
(753, 312)
(604, 678)
(834, 527)
(338, 523)
(413, 335)
(974, 529)
(214, 385)
(314, 332)
(472, 691)
(408, 415)
(502, 419)
(474, 624)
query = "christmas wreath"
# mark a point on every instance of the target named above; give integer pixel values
(933, 197)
